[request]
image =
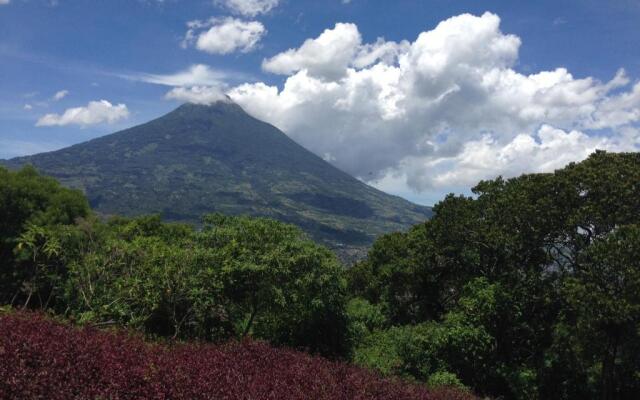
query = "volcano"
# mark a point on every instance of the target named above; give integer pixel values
(201, 159)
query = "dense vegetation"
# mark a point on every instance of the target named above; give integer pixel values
(528, 290)
(41, 359)
(237, 276)
(217, 159)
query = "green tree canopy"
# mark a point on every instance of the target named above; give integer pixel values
(30, 205)
(551, 258)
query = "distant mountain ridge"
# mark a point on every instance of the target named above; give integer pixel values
(201, 159)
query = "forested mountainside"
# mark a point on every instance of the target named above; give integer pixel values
(203, 159)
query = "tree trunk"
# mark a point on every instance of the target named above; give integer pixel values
(26, 303)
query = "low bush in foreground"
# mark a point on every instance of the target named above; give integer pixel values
(44, 359)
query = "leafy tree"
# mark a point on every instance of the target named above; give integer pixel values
(236, 277)
(30, 207)
(364, 319)
(446, 379)
(282, 286)
(603, 296)
(460, 346)
(522, 262)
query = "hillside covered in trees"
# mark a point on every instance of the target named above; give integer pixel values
(530, 289)
(201, 159)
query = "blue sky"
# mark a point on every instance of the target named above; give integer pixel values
(60, 55)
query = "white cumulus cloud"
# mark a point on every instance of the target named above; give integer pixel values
(326, 56)
(443, 110)
(545, 150)
(249, 8)
(3, 2)
(95, 112)
(224, 35)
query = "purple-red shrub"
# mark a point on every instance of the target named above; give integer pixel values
(44, 359)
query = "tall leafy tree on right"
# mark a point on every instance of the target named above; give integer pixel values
(528, 290)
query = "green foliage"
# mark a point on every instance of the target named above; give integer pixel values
(460, 344)
(32, 207)
(379, 350)
(283, 286)
(236, 277)
(364, 318)
(444, 378)
(603, 307)
(394, 277)
(527, 290)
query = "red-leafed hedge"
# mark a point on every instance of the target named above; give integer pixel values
(44, 359)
